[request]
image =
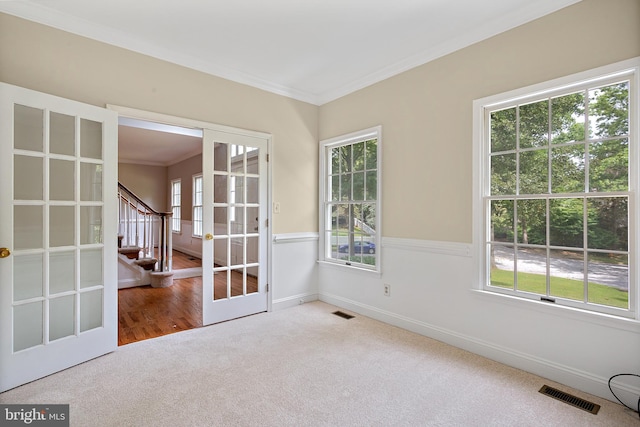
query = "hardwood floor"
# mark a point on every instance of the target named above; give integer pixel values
(181, 260)
(145, 312)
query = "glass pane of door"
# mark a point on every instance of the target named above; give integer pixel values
(234, 225)
(58, 275)
(236, 206)
(50, 300)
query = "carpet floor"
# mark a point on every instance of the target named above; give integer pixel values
(304, 366)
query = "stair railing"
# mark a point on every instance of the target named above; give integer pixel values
(139, 224)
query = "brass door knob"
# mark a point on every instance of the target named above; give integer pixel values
(4, 252)
(208, 236)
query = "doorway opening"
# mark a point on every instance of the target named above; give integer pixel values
(160, 165)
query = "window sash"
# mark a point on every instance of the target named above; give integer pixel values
(196, 218)
(176, 189)
(350, 200)
(584, 254)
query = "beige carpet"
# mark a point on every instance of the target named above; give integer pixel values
(305, 367)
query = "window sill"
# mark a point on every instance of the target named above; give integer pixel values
(350, 268)
(601, 319)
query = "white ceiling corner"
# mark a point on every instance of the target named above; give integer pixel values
(314, 50)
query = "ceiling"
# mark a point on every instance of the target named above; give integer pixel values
(155, 144)
(311, 50)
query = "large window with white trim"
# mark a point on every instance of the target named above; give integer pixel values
(350, 199)
(559, 174)
(176, 189)
(196, 217)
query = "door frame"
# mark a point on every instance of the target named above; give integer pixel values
(166, 119)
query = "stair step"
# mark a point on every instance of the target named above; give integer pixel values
(147, 263)
(130, 252)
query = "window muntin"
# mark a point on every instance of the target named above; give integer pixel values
(350, 203)
(196, 218)
(557, 196)
(176, 188)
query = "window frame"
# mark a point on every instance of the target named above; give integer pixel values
(195, 206)
(176, 220)
(324, 248)
(624, 70)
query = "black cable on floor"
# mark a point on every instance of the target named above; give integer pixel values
(614, 395)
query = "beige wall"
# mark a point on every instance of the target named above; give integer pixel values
(426, 112)
(147, 182)
(52, 61)
(184, 171)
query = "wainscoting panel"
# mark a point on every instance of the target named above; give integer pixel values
(295, 270)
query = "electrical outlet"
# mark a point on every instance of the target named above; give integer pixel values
(387, 290)
(276, 207)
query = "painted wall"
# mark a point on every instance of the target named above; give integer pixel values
(426, 118)
(147, 182)
(427, 181)
(426, 112)
(52, 61)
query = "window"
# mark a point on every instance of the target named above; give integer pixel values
(197, 206)
(233, 190)
(558, 173)
(175, 205)
(350, 199)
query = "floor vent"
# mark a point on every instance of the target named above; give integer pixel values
(343, 315)
(572, 400)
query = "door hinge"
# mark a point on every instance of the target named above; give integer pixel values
(266, 222)
(266, 289)
(267, 157)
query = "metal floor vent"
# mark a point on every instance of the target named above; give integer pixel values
(572, 400)
(343, 315)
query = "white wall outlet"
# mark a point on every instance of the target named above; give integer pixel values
(387, 290)
(276, 207)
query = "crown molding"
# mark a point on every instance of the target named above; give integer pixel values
(475, 35)
(35, 12)
(62, 21)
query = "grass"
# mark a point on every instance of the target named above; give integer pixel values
(561, 288)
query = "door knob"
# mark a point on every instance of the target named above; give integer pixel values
(208, 236)
(4, 252)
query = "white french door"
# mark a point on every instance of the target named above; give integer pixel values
(234, 252)
(58, 237)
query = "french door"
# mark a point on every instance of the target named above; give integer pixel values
(58, 238)
(234, 253)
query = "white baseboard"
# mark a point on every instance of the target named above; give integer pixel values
(131, 283)
(294, 300)
(187, 251)
(581, 380)
(185, 273)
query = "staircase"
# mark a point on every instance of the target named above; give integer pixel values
(144, 243)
